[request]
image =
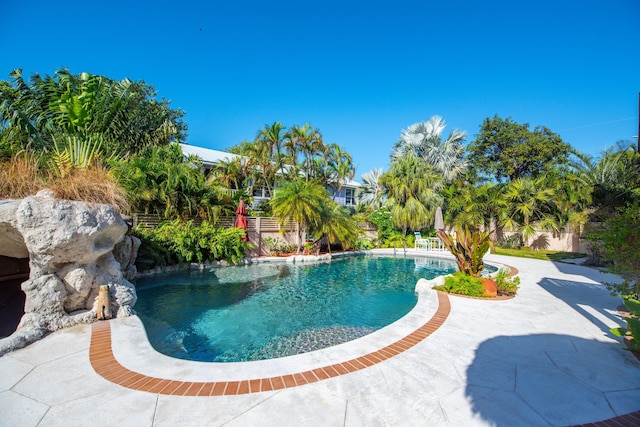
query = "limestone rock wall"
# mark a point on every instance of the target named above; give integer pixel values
(73, 248)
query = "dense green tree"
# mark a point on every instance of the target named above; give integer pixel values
(424, 140)
(411, 188)
(506, 150)
(126, 115)
(300, 201)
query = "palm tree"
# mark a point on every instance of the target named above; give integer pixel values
(300, 201)
(273, 137)
(308, 142)
(613, 177)
(470, 206)
(411, 187)
(337, 226)
(340, 167)
(424, 140)
(371, 191)
(529, 206)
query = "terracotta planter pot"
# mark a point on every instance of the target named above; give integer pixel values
(490, 288)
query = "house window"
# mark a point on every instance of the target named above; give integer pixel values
(349, 196)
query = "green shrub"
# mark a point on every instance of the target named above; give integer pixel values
(177, 241)
(632, 331)
(462, 284)
(506, 285)
(621, 248)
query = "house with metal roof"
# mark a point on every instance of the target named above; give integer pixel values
(346, 195)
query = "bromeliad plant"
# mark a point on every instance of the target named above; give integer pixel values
(468, 247)
(632, 330)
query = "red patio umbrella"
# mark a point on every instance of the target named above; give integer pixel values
(241, 219)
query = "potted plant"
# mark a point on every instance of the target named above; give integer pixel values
(308, 247)
(469, 247)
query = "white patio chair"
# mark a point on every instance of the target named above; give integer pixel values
(421, 243)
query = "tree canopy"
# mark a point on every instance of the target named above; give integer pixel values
(124, 114)
(506, 150)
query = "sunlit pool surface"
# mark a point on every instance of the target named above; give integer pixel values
(265, 311)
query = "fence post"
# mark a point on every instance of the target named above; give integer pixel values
(259, 233)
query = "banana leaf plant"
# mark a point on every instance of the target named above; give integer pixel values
(468, 247)
(632, 330)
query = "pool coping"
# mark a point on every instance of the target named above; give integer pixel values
(121, 353)
(105, 363)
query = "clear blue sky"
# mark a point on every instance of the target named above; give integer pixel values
(360, 71)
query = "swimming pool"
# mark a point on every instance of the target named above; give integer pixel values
(265, 311)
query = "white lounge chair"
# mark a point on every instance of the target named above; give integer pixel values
(421, 243)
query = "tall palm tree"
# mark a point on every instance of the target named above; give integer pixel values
(309, 143)
(340, 167)
(272, 137)
(300, 201)
(424, 140)
(371, 191)
(411, 187)
(261, 167)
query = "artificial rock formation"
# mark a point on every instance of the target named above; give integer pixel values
(73, 249)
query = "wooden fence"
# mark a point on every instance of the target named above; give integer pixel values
(258, 229)
(253, 223)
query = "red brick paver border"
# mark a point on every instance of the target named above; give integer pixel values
(106, 365)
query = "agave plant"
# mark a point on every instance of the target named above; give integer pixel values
(468, 247)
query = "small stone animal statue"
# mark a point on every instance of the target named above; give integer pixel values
(104, 303)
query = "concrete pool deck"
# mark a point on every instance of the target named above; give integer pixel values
(543, 358)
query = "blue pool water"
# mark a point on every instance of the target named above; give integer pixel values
(264, 311)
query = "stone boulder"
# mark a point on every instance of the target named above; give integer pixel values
(73, 248)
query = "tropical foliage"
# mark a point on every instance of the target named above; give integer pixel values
(411, 188)
(300, 201)
(620, 245)
(178, 241)
(468, 247)
(337, 226)
(125, 114)
(278, 155)
(161, 181)
(632, 331)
